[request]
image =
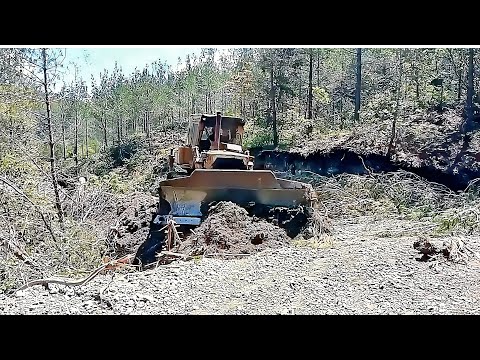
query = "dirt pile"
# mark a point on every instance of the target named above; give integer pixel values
(133, 223)
(228, 229)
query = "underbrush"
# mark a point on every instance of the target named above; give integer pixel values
(398, 194)
(34, 245)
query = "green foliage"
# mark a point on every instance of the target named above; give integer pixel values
(321, 95)
(123, 151)
(261, 137)
(380, 107)
(93, 147)
(15, 166)
(112, 182)
(452, 220)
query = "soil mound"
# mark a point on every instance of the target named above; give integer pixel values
(229, 230)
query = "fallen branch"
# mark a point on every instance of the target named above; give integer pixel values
(363, 163)
(472, 252)
(68, 282)
(174, 254)
(224, 254)
(19, 253)
(37, 208)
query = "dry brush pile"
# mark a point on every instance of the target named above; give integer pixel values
(107, 209)
(398, 193)
(385, 200)
(98, 222)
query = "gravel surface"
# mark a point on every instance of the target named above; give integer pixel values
(359, 272)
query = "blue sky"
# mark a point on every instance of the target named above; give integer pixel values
(94, 60)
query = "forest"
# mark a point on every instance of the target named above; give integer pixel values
(74, 153)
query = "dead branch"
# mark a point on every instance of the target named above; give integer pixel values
(69, 282)
(18, 252)
(36, 207)
(174, 254)
(224, 254)
(363, 163)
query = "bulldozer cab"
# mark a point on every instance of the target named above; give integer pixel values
(215, 132)
(217, 169)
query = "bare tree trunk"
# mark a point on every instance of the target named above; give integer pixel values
(75, 144)
(310, 94)
(223, 100)
(119, 130)
(393, 135)
(441, 96)
(51, 144)
(82, 149)
(11, 131)
(274, 108)
(120, 119)
(459, 89)
(469, 120)
(358, 84)
(318, 67)
(64, 152)
(148, 124)
(86, 137)
(145, 121)
(458, 71)
(416, 78)
(105, 142)
(114, 130)
(300, 104)
(342, 124)
(179, 105)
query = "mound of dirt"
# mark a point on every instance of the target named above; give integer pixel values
(133, 224)
(294, 219)
(228, 229)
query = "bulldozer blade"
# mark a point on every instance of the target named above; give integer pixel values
(187, 194)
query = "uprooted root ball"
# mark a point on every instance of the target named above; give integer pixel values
(228, 229)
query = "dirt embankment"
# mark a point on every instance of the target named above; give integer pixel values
(134, 216)
(427, 143)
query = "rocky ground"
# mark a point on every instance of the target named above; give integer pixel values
(363, 267)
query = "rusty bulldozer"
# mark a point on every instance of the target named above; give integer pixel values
(216, 168)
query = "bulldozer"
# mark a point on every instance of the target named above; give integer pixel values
(213, 166)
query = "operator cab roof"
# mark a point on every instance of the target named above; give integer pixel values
(210, 119)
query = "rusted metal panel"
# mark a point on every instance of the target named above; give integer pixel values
(237, 179)
(186, 195)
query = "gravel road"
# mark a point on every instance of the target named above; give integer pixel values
(361, 274)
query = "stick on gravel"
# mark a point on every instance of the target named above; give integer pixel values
(69, 282)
